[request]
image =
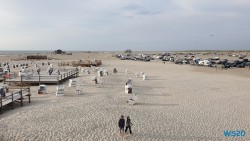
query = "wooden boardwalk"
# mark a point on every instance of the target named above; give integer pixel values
(44, 79)
(16, 96)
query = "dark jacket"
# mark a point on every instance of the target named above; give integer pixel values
(128, 123)
(121, 123)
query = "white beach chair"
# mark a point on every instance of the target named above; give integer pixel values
(72, 82)
(79, 89)
(87, 72)
(42, 89)
(93, 68)
(128, 88)
(132, 99)
(60, 90)
(82, 70)
(126, 71)
(105, 72)
(100, 73)
(79, 68)
(94, 79)
(145, 77)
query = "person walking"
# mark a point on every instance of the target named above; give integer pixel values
(121, 125)
(128, 125)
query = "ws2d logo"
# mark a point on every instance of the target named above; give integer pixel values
(235, 133)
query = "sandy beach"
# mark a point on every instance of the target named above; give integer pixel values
(177, 102)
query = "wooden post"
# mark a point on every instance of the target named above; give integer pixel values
(3, 79)
(12, 101)
(21, 81)
(1, 104)
(39, 79)
(29, 94)
(21, 94)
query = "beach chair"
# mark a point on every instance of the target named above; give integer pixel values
(145, 77)
(79, 68)
(105, 72)
(60, 90)
(114, 70)
(128, 88)
(132, 99)
(100, 73)
(93, 68)
(72, 82)
(129, 82)
(79, 89)
(42, 89)
(94, 79)
(87, 71)
(82, 70)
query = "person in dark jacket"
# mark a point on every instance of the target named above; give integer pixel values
(121, 124)
(128, 125)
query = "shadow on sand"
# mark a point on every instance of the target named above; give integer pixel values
(155, 79)
(152, 94)
(174, 137)
(155, 104)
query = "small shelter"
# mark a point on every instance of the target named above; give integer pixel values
(42, 89)
(114, 70)
(60, 90)
(128, 86)
(100, 73)
(94, 78)
(72, 82)
(79, 89)
(144, 76)
(132, 99)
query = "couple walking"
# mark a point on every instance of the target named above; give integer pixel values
(121, 124)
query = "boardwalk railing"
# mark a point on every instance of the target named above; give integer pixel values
(14, 97)
(28, 78)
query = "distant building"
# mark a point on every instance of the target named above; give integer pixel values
(37, 57)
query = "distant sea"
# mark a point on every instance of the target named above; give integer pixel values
(26, 52)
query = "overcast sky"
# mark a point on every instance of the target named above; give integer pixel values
(163, 25)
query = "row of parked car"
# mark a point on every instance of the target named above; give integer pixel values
(236, 63)
(224, 63)
(211, 62)
(135, 58)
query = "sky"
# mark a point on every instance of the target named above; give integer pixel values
(117, 25)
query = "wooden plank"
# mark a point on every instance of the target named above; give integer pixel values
(1, 104)
(14, 96)
(16, 87)
(45, 78)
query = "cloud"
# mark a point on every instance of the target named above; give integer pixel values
(132, 7)
(101, 24)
